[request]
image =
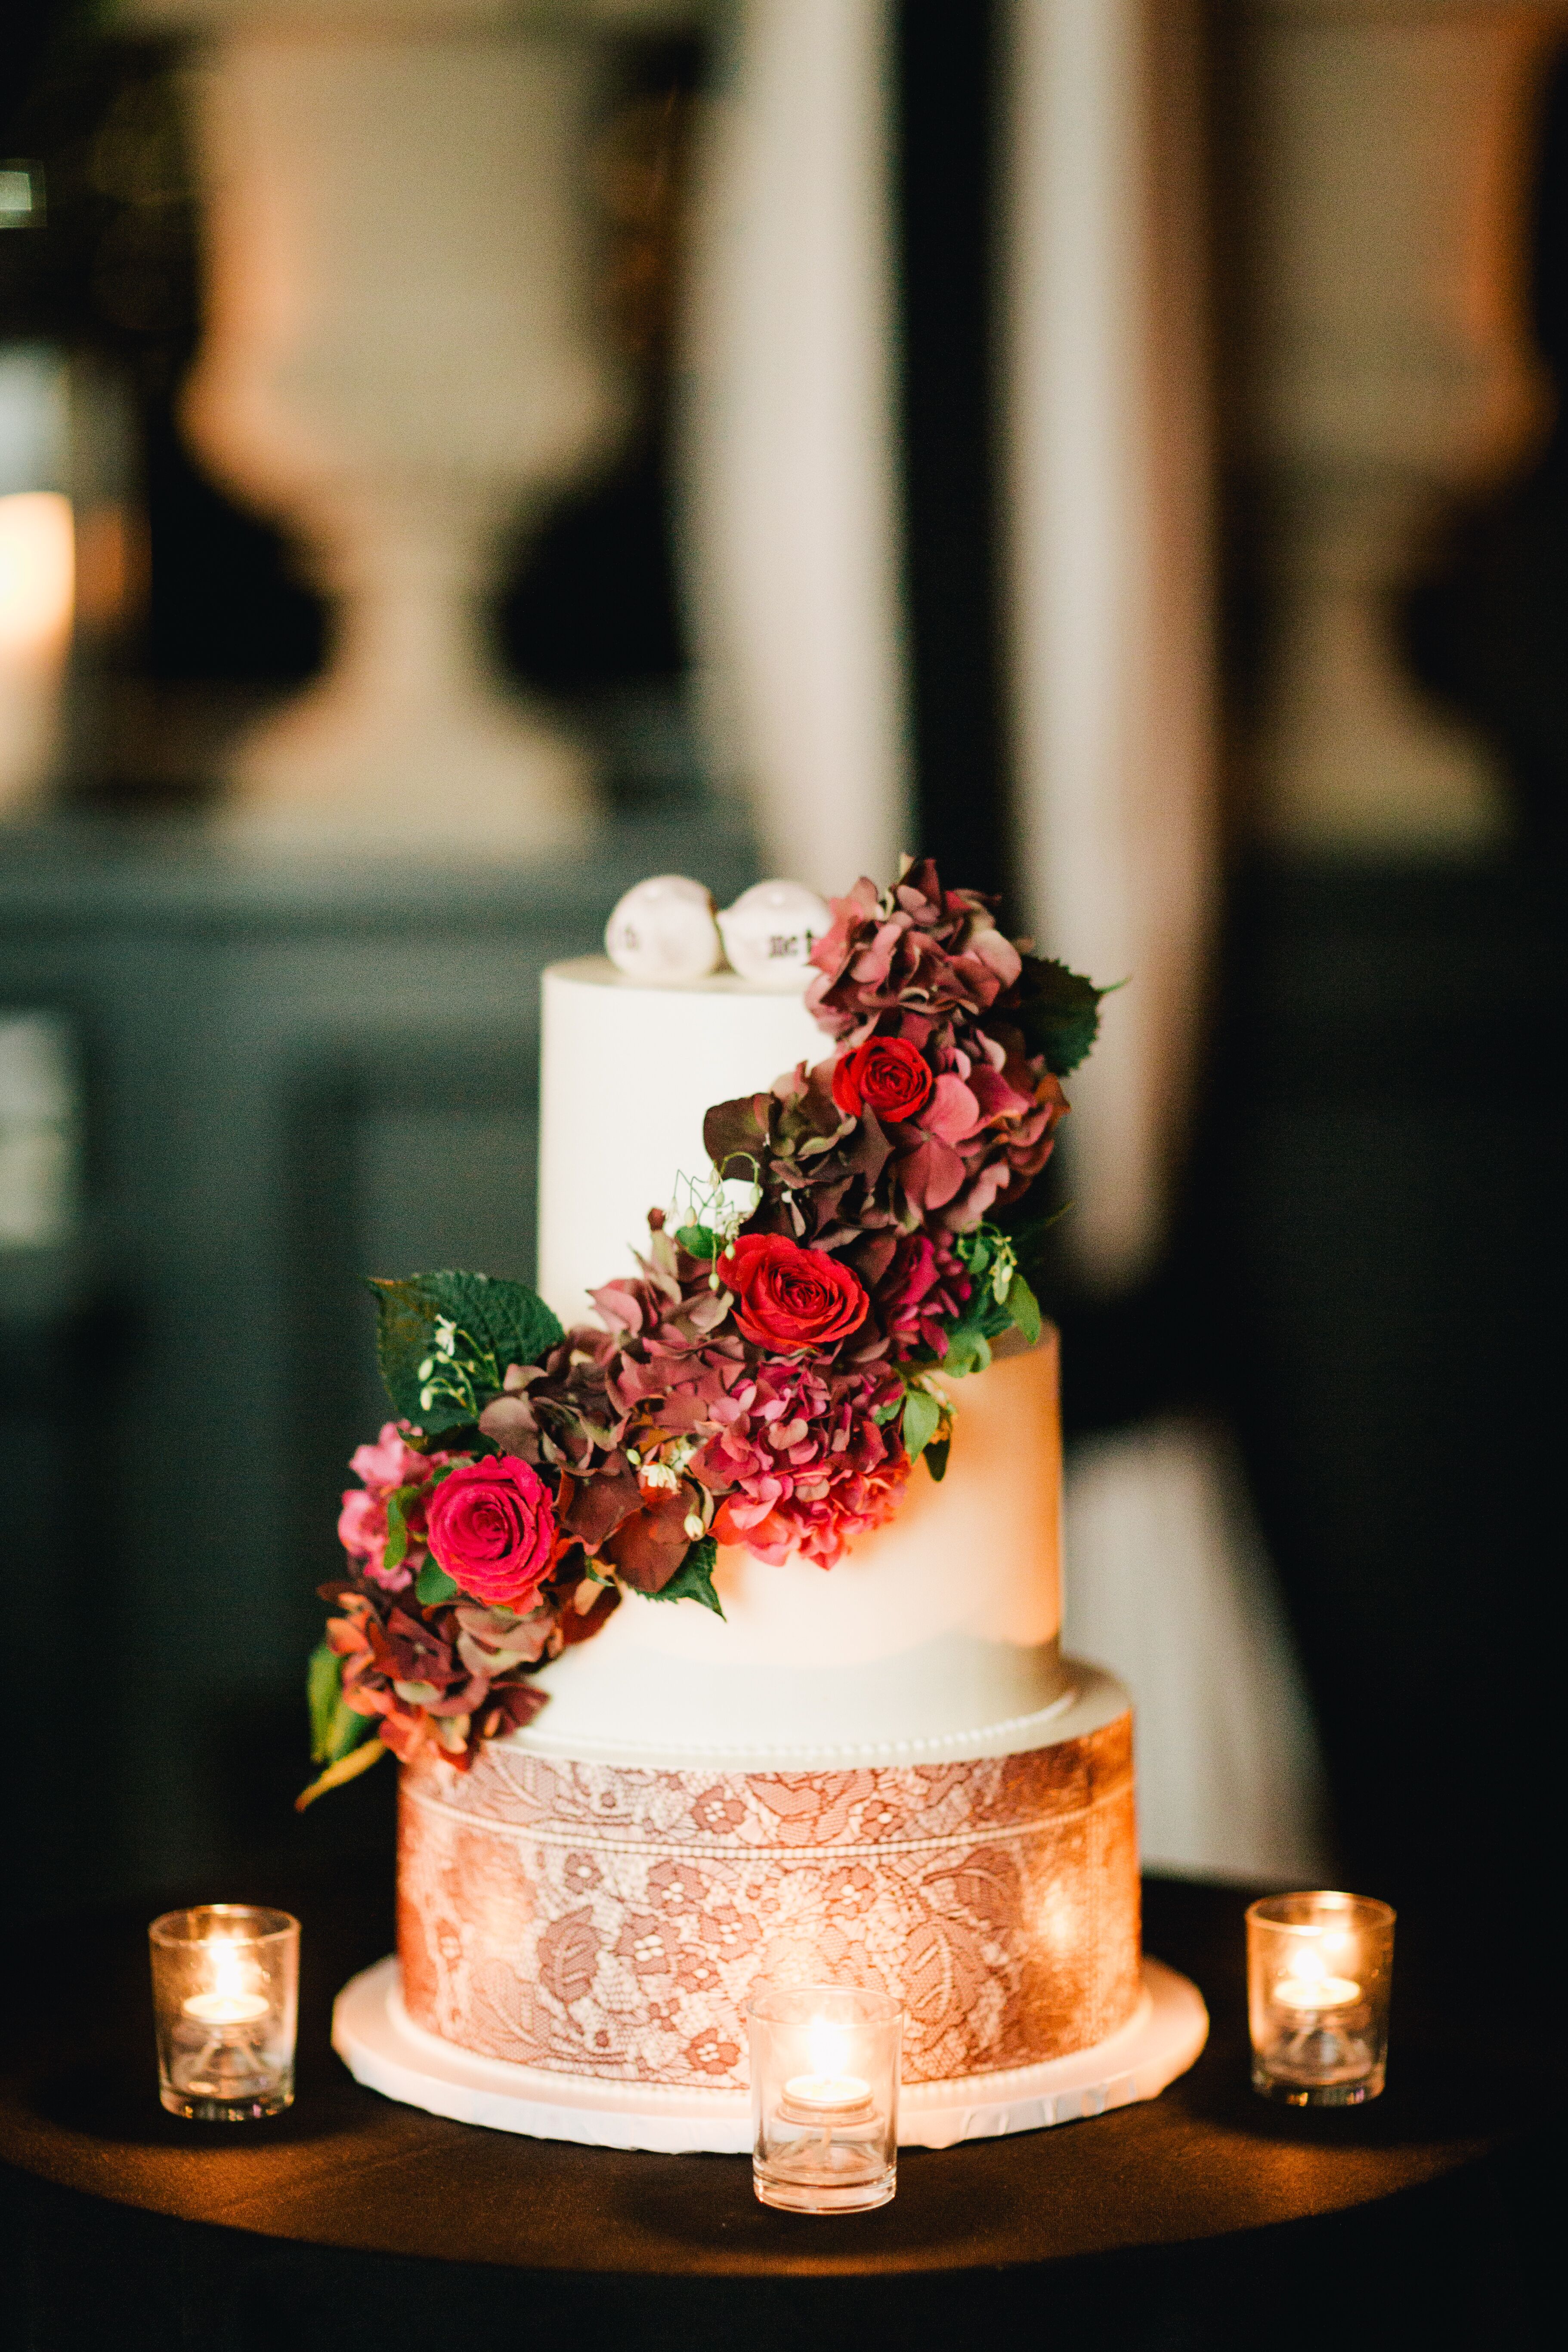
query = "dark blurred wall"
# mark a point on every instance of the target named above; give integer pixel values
(1367, 1277)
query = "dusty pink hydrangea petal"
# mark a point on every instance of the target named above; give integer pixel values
(930, 1174)
(390, 1462)
(953, 1114)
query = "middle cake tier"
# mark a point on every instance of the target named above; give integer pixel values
(934, 1634)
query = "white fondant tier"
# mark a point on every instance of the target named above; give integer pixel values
(383, 2049)
(629, 1068)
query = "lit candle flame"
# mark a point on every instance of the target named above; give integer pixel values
(1311, 1983)
(233, 1997)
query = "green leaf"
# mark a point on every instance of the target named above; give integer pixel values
(968, 1350)
(1058, 1013)
(507, 1321)
(433, 1585)
(347, 1767)
(397, 1526)
(700, 1240)
(693, 1579)
(1024, 1308)
(923, 1419)
(323, 1689)
(935, 1458)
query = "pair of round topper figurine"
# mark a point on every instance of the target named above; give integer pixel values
(668, 929)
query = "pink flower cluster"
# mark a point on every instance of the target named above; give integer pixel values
(668, 1420)
(806, 1463)
(389, 1463)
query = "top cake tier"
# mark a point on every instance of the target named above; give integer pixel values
(629, 1069)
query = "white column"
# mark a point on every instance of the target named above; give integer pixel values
(1107, 527)
(791, 529)
(1386, 176)
(1108, 474)
(400, 363)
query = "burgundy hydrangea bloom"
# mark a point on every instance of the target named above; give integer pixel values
(920, 950)
(437, 1680)
(922, 978)
(806, 1463)
(922, 1294)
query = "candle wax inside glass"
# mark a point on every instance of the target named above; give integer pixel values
(226, 2007)
(1316, 1992)
(826, 2090)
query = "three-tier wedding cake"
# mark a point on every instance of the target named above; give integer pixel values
(864, 1759)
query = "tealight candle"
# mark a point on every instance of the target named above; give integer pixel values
(226, 2007)
(825, 2096)
(225, 1990)
(1316, 1992)
(1318, 1977)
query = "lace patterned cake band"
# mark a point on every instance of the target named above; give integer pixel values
(605, 1920)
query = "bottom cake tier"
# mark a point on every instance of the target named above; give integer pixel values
(606, 1922)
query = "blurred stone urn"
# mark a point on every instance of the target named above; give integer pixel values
(400, 364)
(1390, 155)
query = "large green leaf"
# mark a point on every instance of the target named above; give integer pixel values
(433, 1585)
(693, 1579)
(506, 1322)
(1058, 1013)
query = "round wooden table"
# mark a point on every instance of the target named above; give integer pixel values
(1206, 2217)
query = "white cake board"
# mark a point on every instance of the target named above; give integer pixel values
(382, 2048)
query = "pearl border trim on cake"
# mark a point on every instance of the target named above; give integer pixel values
(1017, 1730)
(383, 2049)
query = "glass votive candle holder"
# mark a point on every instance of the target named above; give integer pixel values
(226, 1988)
(1320, 1970)
(825, 2096)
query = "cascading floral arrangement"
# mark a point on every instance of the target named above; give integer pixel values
(768, 1377)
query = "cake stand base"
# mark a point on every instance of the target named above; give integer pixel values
(383, 2049)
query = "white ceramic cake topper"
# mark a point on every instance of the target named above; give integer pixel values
(663, 929)
(770, 931)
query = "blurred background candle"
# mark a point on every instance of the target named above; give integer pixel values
(824, 2098)
(1320, 1971)
(38, 570)
(225, 1993)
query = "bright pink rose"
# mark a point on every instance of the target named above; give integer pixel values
(786, 1296)
(491, 1525)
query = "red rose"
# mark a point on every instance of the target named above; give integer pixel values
(491, 1527)
(786, 1296)
(886, 1074)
